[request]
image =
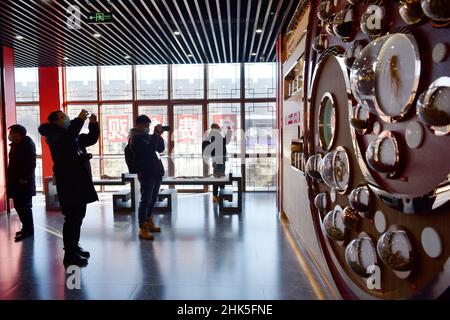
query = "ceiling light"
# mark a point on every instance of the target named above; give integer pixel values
(190, 55)
(254, 54)
(19, 37)
(177, 33)
(127, 57)
(258, 30)
(66, 58)
(97, 35)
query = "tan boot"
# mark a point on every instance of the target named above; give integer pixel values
(151, 226)
(144, 233)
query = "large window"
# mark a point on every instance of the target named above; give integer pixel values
(151, 82)
(192, 105)
(27, 84)
(260, 80)
(187, 81)
(81, 83)
(116, 83)
(224, 81)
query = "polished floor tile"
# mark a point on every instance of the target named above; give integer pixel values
(200, 254)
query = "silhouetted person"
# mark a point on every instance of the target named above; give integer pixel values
(73, 176)
(146, 150)
(21, 184)
(219, 154)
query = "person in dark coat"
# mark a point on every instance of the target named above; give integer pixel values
(72, 172)
(219, 154)
(146, 149)
(21, 181)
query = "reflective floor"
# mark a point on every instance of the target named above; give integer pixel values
(200, 254)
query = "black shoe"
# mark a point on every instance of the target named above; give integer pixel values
(74, 259)
(83, 253)
(19, 232)
(23, 235)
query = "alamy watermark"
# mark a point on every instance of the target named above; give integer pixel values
(73, 281)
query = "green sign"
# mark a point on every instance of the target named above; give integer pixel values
(100, 17)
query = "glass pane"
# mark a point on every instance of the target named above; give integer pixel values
(116, 83)
(113, 167)
(81, 83)
(188, 136)
(260, 174)
(38, 174)
(227, 115)
(260, 79)
(74, 110)
(158, 115)
(116, 123)
(187, 81)
(224, 81)
(28, 116)
(151, 82)
(260, 135)
(27, 85)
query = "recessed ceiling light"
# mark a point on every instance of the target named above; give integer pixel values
(19, 37)
(258, 30)
(254, 54)
(66, 58)
(177, 33)
(190, 55)
(97, 35)
(127, 57)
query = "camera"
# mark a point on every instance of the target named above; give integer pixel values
(166, 128)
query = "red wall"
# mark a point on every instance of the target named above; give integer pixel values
(7, 114)
(50, 97)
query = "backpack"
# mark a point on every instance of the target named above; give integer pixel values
(130, 159)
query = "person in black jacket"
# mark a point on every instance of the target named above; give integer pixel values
(72, 172)
(146, 149)
(21, 182)
(219, 154)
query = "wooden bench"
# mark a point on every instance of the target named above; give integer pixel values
(125, 200)
(167, 200)
(233, 199)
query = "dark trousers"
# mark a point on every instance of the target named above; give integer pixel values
(73, 219)
(149, 196)
(218, 171)
(23, 206)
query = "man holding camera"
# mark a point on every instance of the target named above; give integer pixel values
(145, 150)
(72, 172)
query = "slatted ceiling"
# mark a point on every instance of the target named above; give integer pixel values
(212, 31)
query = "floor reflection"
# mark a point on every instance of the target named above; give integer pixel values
(200, 254)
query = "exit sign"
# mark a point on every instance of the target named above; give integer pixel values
(100, 17)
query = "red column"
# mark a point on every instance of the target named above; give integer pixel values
(50, 97)
(7, 114)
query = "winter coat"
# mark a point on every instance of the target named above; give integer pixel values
(219, 155)
(71, 166)
(21, 166)
(146, 149)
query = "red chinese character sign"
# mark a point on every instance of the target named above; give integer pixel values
(117, 128)
(189, 128)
